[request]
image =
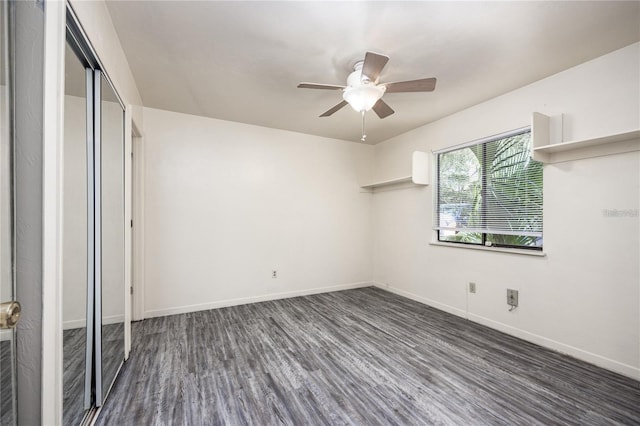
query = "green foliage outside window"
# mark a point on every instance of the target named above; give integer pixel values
(491, 193)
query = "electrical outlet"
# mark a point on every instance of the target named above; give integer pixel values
(512, 298)
(472, 287)
(274, 274)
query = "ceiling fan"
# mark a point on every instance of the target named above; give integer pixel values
(363, 91)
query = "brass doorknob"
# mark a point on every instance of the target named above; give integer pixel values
(9, 314)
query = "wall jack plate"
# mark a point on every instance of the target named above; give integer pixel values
(512, 298)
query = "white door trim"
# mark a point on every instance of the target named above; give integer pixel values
(138, 226)
(128, 216)
(52, 163)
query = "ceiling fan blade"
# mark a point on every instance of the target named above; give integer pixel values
(319, 86)
(382, 109)
(422, 85)
(334, 109)
(373, 65)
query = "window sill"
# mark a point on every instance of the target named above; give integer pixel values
(491, 249)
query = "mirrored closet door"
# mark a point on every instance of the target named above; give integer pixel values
(111, 284)
(77, 208)
(93, 231)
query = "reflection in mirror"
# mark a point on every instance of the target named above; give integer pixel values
(113, 286)
(7, 337)
(75, 239)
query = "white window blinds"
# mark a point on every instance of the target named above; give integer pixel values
(490, 192)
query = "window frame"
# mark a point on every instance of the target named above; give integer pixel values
(484, 243)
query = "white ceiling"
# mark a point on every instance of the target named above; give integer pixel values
(241, 61)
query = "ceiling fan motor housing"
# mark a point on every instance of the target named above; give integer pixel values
(361, 93)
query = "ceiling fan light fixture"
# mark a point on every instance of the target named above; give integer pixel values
(364, 93)
(363, 97)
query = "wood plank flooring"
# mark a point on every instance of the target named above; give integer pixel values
(73, 349)
(6, 383)
(365, 357)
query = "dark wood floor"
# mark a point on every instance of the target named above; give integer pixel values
(353, 357)
(74, 344)
(6, 383)
(112, 352)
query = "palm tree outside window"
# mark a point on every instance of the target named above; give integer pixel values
(489, 193)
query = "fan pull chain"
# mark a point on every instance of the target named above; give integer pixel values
(364, 136)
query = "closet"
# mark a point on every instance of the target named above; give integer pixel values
(93, 230)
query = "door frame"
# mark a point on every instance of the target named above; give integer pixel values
(52, 162)
(133, 225)
(137, 231)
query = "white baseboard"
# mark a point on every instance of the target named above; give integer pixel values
(71, 324)
(6, 335)
(246, 300)
(600, 361)
(79, 323)
(113, 319)
(430, 302)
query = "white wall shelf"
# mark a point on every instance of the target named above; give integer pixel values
(419, 173)
(388, 182)
(546, 151)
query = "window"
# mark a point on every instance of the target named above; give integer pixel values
(489, 193)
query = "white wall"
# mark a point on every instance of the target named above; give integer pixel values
(74, 214)
(583, 298)
(113, 213)
(226, 203)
